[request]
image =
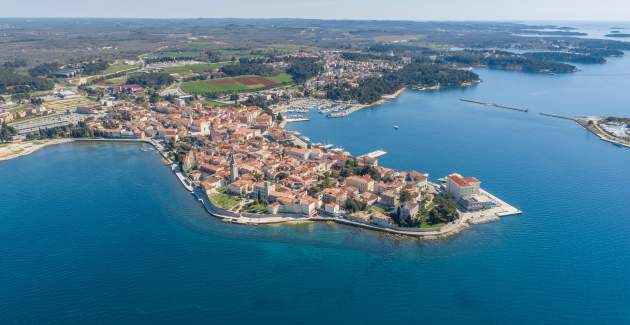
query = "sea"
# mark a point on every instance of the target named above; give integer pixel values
(103, 233)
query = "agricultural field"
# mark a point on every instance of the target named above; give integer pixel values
(67, 104)
(235, 84)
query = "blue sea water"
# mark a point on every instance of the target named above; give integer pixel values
(100, 233)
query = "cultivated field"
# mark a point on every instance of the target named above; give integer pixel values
(234, 84)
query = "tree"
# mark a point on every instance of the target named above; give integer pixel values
(405, 196)
(44, 69)
(303, 69)
(15, 63)
(213, 56)
(151, 79)
(234, 97)
(6, 133)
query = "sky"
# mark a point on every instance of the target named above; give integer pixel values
(610, 10)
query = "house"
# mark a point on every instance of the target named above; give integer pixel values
(212, 183)
(332, 209)
(335, 195)
(381, 219)
(360, 216)
(363, 183)
(201, 126)
(305, 206)
(132, 88)
(390, 199)
(298, 153)
(368, 198)
(240, 187)
(409, 210)
(421, 180)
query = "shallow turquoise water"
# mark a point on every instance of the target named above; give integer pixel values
(103, 233)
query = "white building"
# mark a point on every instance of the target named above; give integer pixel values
(462, 188)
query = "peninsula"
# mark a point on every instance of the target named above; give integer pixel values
(247, 169)
(213, 96)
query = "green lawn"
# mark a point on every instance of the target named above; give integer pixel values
(203, 87)
(119, 80)
(377, 209)
(230, 85)
(426, 225)
(224, 201)
(283, 78)
(212, 103)
(256, 207)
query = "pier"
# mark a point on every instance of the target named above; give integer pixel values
(490, 104)
(374, 154)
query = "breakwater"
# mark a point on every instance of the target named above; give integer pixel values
(490, 104)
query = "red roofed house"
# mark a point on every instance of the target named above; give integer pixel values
(362, 183)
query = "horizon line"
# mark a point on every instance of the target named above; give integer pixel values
(320, 19)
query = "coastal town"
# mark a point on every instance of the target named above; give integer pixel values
(217, 115)
(245, 168)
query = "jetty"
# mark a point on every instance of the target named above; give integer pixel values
(374, 154)
(491, 104)
(564, 117)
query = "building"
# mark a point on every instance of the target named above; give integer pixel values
(363, 183)
(332, 209)
(233, 168)
(381, 219)
(409, 210)
(462, 188)
(240, 187)
(67, 73)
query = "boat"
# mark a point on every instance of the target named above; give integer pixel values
(395, 127)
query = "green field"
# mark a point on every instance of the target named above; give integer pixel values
(211, 103)
(234, 84)
(283, 78)
(223, 201)
(195, 68)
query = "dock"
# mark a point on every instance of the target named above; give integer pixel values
(490, 104)
(374, 154)
(301, 119)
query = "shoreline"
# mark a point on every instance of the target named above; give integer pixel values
(15, 150)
